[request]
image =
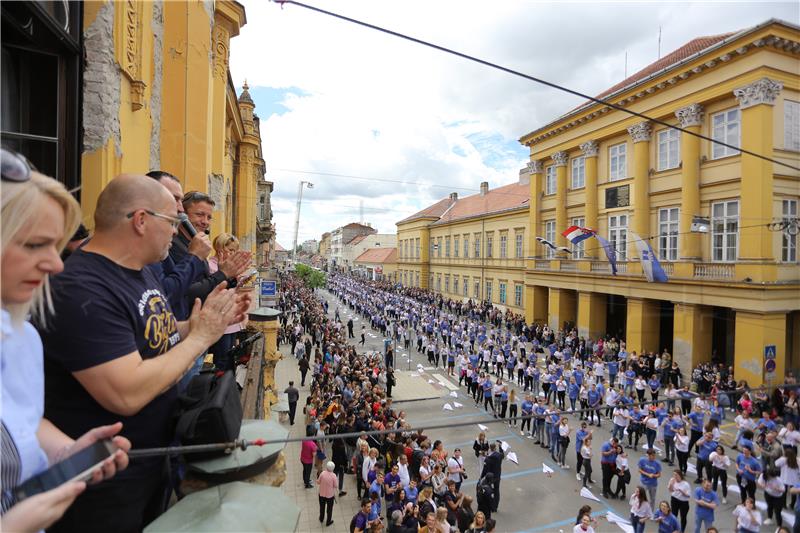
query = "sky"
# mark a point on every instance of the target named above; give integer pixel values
(386, 127)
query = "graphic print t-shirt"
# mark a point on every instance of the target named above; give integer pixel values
(105, 311)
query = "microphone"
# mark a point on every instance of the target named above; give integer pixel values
(186, 225)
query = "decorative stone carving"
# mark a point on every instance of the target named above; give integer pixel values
(221, 52)
(535, 167)
(132, 55)
(763, 91)
(641, 132)
(560, 158)
(137, 95)
(691, 115)
(590, 148)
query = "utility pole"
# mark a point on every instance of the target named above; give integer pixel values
(297, 215)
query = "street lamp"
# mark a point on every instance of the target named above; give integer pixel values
(297, 215)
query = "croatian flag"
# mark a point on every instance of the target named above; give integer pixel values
(611, 253)
(650, 265)
(576, 234)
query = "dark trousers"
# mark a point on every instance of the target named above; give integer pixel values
(608, 474)
(587, 471)
(720, 475)
(307, 473)
(124, 504)
(220, 350)
(303, 377)
(292, 411)
(326, 505)
(680, 509)
(496, 500)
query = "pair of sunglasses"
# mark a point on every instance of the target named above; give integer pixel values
(15, 167)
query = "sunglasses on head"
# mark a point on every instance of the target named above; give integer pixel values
(196, 196)
(15, 167)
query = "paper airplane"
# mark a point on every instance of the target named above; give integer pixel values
(586, 493)
(506, 446)
(482, 427)
(458, 405)
(734, 488)
(623, 524)
(414, 375)
(448, 407)
(431, 381)
(691, 469)
(656, 448)
(546, 469)
(513, 458)
(454, 394)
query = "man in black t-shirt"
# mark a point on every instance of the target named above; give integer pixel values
(114, 350)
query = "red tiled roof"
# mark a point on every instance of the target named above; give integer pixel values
(692, 47)
(378, 255)
(433, 211)
(279, 248)
(357, 239)
(495, 200)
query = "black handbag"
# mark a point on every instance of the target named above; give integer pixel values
(210, 410)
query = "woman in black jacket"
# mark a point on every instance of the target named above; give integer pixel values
(339, 457)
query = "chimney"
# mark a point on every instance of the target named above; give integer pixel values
(484, 188)
(453, 196)
(524, 176)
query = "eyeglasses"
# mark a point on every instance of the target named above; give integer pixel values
(175, 222)
(15, 167)
(197, 196)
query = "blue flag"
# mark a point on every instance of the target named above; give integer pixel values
(650, 265)
(611, 253)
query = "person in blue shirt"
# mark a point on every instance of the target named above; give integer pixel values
(717, 413)
(594, 397)
(526, 408)
(572, 392)
(696, 423)
(747, 470)
(630, 377)
(613, 370)
(580, 435)
(608, 464)
(650, 471)
(706, 501)
(705, 447)
(667, 522)
(765, 424)
(655, 385)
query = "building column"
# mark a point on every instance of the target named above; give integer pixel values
(691, 118)
(560, 159)
(536, 304)
(424, 258)
(562, 307)
(691, 341)
(591, 314)
(754, 333)
(756, 103)
(640, 133)
(534, 217)
(590, 151)
(642, 325)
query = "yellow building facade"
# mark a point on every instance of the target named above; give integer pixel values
(176, 109)
(469, 248)
(734, 291)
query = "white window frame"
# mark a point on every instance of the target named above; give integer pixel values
(788, 241)
(550, 235)
(466, 246)
(518, 291)
(477, 289)
(503, 245)
(721, 123)
(455, 284)
(725, 231)
(668, 229)
(618, 235)
(502, 292)
(447, 247)
(578, 251)
(791, 125)
(488, 286)
(669, 148)
(550, 184)
(519, 244)
(618, 162)
(578, 174)
(456, 244)
(477, 249)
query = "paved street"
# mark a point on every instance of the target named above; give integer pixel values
(530, 500)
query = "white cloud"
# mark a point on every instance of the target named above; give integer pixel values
(379, 107)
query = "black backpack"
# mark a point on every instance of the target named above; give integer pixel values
(210, 411)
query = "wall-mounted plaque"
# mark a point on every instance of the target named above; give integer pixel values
(618, 196)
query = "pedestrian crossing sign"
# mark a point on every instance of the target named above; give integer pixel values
(769, 351)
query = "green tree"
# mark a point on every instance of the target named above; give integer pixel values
(312, 277)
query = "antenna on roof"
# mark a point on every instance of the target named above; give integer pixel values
(361, 211)
(625, 77)
(659, 42)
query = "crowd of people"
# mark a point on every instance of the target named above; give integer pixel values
(120, 326)
(552, 385)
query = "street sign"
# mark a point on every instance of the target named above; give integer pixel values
(769, 366)
(770, 351)
(268, 288)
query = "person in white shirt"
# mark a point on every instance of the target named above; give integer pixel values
(790, 473)
(743, 423)
(774, 490)
(682, 449)
(584, 526)
(681, 493)
(719, 471)
(748, 518)
(640, 509)
(563, 442)
(789, 436)
(621, 419)
(640, 385)
(455, 468)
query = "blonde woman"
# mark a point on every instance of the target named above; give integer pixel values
(38, 218)
(224, 245)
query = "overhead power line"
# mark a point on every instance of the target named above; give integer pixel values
(517, 73)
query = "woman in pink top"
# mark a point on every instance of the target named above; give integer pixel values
(307, 451)
(328, 483)
(224, 245)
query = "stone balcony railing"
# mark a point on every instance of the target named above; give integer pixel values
(714, 270)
